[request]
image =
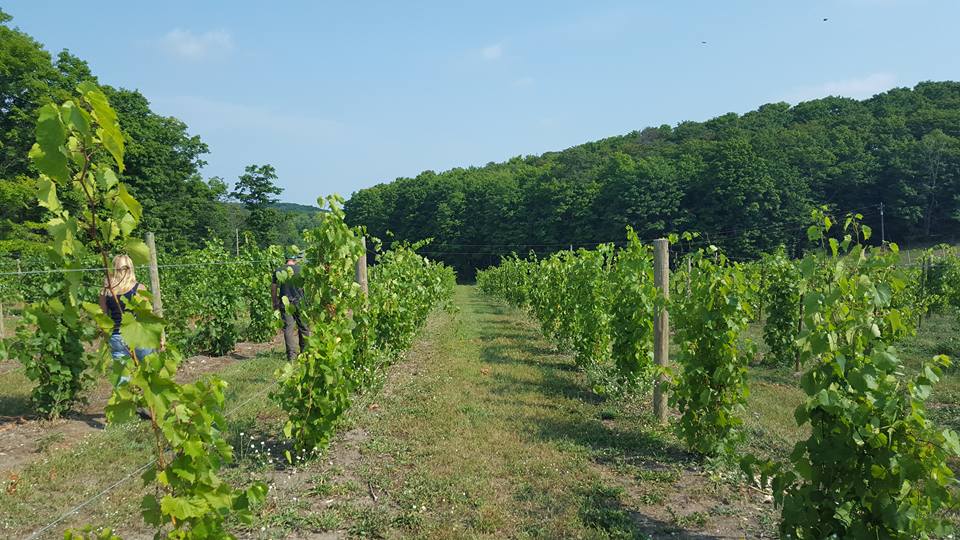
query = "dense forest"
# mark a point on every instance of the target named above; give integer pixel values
(746, 182)
(163, 161)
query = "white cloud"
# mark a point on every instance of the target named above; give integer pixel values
(189, 46)
(862, 87)
(492, 52)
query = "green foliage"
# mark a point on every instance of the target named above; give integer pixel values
(874, 466)
(404, 287)
(54, 331)
(933, 282)
(216, 298)
(77, 145)
(598, 303)
(352, 336)
(588, 276)
(315, 388)
(206, 298)
(89, 533)
(747, 180)
(255, 189)
(50, 343)
(162, 159)
(711, 387)
(255, 268)
(783, 287)
(633, 298)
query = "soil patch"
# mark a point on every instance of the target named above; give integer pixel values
(25, 439)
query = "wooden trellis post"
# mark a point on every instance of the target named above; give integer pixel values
(154, 275)
(361, 274)
(661, 325)
(3, 330)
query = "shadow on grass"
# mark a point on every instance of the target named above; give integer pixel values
(774, 375)
(256, 447)
(13, 407)
(609, 443)
(526, 353)
(556, 380)
(603, 510)
(482, 307)
(95, 420)
(551, 385)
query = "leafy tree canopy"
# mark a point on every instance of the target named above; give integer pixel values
(747, 182)
(163, 160)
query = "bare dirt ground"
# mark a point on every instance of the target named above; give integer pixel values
(24, 438)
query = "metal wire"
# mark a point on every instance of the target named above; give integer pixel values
(176, 265)
(133, 473)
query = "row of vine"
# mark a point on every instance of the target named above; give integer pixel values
(91, 215)
(874, 465)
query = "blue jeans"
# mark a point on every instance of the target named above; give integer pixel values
(120, 352)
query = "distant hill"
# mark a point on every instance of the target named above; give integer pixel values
(288, 207)
(746, 182)
(297, 208)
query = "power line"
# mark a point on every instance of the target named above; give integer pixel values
(98, 269)
(704, 238)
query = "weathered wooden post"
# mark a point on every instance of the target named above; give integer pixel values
(661, 325)
(361, 274)
(3, 331)
(154, 275)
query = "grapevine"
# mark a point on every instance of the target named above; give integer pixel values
(711, 387)
(351, 336)
(633, 296)
(874, 465)
(76, 144)
(782, 293)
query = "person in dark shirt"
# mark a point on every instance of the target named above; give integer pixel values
(119, 289)
(294, 330)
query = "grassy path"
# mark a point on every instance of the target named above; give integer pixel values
(486, 432)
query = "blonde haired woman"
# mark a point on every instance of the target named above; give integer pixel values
(119, 288)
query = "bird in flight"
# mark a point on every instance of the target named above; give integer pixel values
(703, 42)
(825, 19)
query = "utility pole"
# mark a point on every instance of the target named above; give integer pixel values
(237, 232)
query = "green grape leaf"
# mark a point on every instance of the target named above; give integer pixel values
(46, 153)
(47, 194)
(182, 507)
(108, 130)
(137, 250)
(150, 510)
(75, 118)
(139, 334)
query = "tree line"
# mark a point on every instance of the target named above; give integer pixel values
(746, 182)
(163, 161)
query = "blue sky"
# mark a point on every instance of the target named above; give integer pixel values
(343, 95)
